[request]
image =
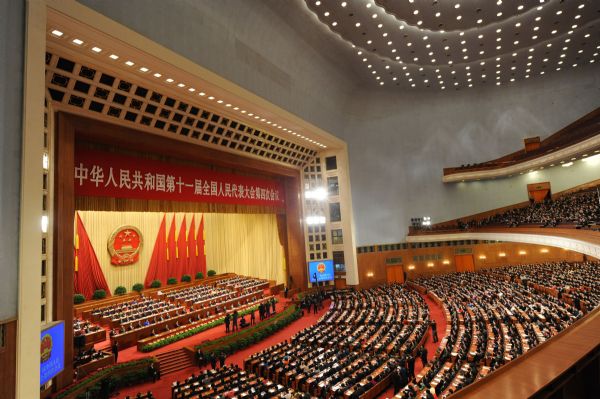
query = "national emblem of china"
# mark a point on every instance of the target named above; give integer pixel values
(321, 267)
(46, 348)
(124, 245)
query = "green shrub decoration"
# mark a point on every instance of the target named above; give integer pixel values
(99, 294)
(211, 273)
(139, 287)
(171, 281)
(193, 331)
(78, 298)
(120, 290)
(251, 335)
(155, 284)
(186, 278)
(120, 375)
(199, 276)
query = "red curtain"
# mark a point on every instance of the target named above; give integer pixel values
(157, 270)
(191, 249)
(181, 251)
(201, 250)
(88, 273)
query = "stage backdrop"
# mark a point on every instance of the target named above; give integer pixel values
(246, 244)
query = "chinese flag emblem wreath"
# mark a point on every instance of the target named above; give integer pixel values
(124, 245)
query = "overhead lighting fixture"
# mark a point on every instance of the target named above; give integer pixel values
(57, 33)
(129, 63)
(96, 49)
(113, 56)
(78, 42)
(315, 220)
(566, 165)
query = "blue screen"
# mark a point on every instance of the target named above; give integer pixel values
(323, 269)
(52, 352)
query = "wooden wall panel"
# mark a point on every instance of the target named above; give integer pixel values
(8, 360)
(64, 212)
(296, 255)
(484, 256)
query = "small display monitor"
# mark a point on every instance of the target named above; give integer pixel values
(52, 351)
(321, 270)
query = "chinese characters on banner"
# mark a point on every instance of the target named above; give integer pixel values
(103, 174)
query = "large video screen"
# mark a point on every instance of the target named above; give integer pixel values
(321, 269)
(52, 352)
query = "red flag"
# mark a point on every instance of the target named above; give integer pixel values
(88, 273)
(181, 257)
(191, 249)
(172, 251)
(157, 270)
(200, 245)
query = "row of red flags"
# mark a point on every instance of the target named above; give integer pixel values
(176, 256)
(171, 257)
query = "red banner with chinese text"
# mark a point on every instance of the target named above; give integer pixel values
(104, 174)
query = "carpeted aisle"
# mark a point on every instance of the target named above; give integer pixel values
(162, 389)
(436, 313)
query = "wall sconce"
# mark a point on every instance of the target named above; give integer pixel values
(521, 252)
(446, 262)
(544, 250)
(502, 254)
(411, 267)
(429, 264)
(369, 274)
(482, 257)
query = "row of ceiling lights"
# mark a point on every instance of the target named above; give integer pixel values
(442, 85)
(97, 50)
(481, 257)
(587, 158)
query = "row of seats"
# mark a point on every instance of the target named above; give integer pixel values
(229, 382)
(577, 282)
(492, 320)
(353, 346)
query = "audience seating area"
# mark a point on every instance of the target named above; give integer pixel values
(494, 316)
(580, 209)
(169, 310)
(352, 350)
(228, 382)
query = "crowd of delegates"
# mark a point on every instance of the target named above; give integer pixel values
(493, 319)
(577, 283)
(86, 356)
(84, 327)
(240, 283)
(353, 347)
(229, 382)
(581, 209)
(312, 301)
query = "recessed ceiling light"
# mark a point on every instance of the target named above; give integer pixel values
(334, 23)
(437, 14)
(169, 80)
(220, 101)
(144, 69)
(202, 94)
(129, 63)
(78, 42)
(114, 56)
(57, 33)
(180, 85)
(96, 49)
(157, 75)
(357, 24)
(191, 90)
(343, 4)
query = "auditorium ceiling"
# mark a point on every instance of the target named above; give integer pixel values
(455, 44)
(91, 72)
